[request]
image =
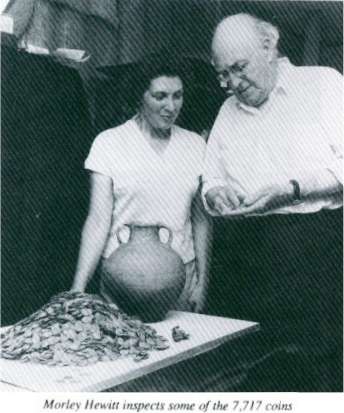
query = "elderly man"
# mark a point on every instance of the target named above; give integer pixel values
(273, 168)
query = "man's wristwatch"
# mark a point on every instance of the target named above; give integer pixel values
(296, 191)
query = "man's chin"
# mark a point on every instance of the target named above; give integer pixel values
(247, 102)
(251, 101)
(166, 125)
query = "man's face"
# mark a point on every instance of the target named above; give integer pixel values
(245, 70)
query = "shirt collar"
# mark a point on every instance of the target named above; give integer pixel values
(285, 69)
(282, 85)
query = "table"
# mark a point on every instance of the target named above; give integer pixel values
(206, 333)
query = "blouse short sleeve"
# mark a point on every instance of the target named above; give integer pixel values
(100, 158)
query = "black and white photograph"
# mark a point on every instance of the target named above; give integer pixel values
(171, 198)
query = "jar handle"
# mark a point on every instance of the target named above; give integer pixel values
(118, 232)
(170, 234)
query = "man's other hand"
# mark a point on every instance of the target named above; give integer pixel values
(264, 200)
(223, 198)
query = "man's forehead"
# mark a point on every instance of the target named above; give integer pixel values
(234, 42)
(228, 56)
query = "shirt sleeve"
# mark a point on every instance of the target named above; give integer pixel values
(213, 174)
(332, 119)
(100, 156)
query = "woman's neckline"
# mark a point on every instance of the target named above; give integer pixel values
(158, 145)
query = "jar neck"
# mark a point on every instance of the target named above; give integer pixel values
(144, 232)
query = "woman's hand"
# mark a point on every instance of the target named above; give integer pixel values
(77, 289)
(198, 298)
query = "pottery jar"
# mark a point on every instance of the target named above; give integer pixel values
(144, 276)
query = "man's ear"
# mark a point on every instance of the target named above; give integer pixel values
(269, 37)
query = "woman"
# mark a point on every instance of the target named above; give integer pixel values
(148, 170)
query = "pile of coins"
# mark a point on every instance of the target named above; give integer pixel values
(79, 329)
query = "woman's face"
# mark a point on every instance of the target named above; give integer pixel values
(162, 102)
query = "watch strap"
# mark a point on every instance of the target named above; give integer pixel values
(297, 190)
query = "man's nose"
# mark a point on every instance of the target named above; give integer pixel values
(223, 80)
(234, 81)
(224, 83)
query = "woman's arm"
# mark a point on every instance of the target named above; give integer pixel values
(202, 235)
(95, 230)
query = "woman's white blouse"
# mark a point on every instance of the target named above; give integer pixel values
(150, 188)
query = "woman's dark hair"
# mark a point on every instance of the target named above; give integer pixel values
(202, 94)
(138, 76)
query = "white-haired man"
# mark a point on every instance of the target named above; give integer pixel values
(274, 163)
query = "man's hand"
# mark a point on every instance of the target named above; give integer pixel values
(269, 198)
(264, 200)
(223, 199)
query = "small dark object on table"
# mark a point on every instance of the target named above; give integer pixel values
(178, 334)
